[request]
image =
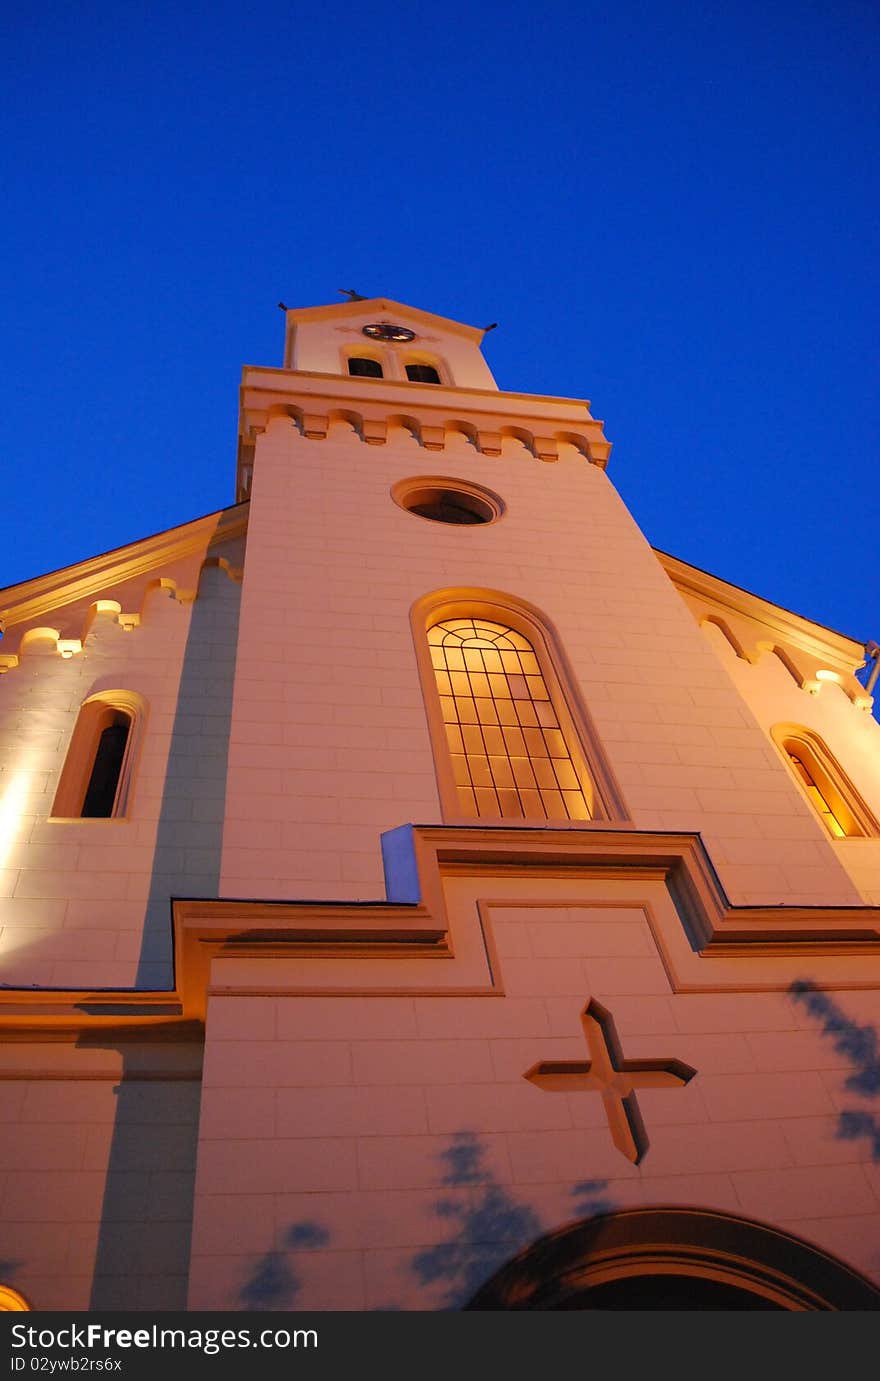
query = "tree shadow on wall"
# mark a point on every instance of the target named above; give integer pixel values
(490, 1225)
(274, 1284)
(860, 1045)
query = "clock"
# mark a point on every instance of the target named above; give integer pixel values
(383, 330)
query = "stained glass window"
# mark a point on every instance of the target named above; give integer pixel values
(510, 757)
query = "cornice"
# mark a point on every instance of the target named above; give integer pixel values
(359, 307)
(827, 642)
(431, 411)
(32, 599)
(705, 942)
(754, 626)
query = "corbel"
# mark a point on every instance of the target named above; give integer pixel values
(433, 438)
(599, 451)
(489, 443)
(375, 431)
(546, 448)
(314, 426)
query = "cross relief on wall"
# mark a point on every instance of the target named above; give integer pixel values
(615, 1078)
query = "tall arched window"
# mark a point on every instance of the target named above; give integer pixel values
(505, 742)
(830, 792)
(96, 779)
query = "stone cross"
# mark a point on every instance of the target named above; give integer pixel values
(608, 1073)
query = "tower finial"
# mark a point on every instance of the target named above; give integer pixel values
(351, 294)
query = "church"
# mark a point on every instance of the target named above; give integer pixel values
(420, 893)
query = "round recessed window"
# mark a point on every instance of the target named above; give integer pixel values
(448, 501)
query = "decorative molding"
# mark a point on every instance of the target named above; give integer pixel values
(754, 626)
(370, 306)
(486, 416)
(22, 603)
(48, 594)
(704, 942)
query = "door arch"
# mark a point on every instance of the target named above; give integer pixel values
(670, 1258)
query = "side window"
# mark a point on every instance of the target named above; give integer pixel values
(359, 364)
(828, 789)
(107, 766)
(96, 779)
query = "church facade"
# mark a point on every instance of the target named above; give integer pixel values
(420, 893)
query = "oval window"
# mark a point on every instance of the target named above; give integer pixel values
(448, 501)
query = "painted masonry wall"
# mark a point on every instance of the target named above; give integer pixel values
(96, 1165)
(386, 1152)
(86, 903)
(364, 1137)
(852, 736)
(322, 343)
(97, 1176)
(329, 738)
(379, 1151)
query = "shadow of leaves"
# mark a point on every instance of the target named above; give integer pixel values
(274, 1284)
(860, 1045)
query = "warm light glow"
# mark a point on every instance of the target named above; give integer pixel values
(816, 796)
(827, 676)
(11, 1301)
(11, 805)
(509, 756)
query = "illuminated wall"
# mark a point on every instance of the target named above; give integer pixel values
(380, 1071)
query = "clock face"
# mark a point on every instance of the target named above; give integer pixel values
(383, 330)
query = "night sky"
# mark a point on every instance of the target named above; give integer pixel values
(670, 209)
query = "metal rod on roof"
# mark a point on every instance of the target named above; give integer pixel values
(873, 651)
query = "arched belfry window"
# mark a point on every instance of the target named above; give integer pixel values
(828, 789)
(96, 779)
(506, 744)
(422, 373)
(365, 367)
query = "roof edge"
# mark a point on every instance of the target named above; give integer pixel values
(358, 306)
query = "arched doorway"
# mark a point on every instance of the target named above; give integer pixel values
(669, 1259)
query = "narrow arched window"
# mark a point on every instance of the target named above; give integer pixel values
(826, 786)
(360, 364)
(422, 374)
(96, 779)
(510, 757)
(106, 770)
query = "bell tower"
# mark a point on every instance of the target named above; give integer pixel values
(394, 487)
(382, 464)
(397, 338)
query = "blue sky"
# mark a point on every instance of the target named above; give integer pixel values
(670, 209)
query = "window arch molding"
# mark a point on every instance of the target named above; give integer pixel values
(98, 712)
(605, 798)
(823, 781)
